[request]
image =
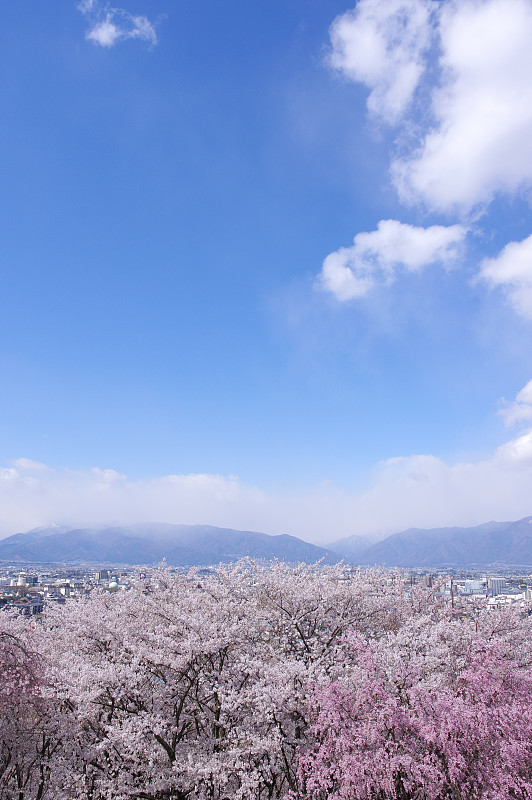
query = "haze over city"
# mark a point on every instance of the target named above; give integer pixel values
(266, 265)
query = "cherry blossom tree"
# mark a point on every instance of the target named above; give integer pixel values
(439, 710)
(196, 686)
(262, 682)
(28, 731)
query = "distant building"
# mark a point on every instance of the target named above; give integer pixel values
(496, 586)
(29, 605)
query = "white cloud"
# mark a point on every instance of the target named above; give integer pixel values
(512, 271)
(382, 43)
(481, 142)
(376, 257)
(424, 491)
(108, 25)
(517, 452)
(520, 409)
(87, 497)
(476, 141)
(453, 77)
(412, 491)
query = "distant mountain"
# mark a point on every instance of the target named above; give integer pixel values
(502, 543)
(180, 545)
(351, 547)
(494, 543)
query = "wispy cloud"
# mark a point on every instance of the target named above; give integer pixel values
(107, 475)
(376, 257)
(108, 25)
(28, 465)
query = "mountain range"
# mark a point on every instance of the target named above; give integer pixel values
(493, 543)
(179, 545)
(502, 543)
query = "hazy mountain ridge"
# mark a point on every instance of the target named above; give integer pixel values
(352, 546)
(504, 543)
(180, 545)
(489, 543)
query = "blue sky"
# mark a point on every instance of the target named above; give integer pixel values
(266, 264)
